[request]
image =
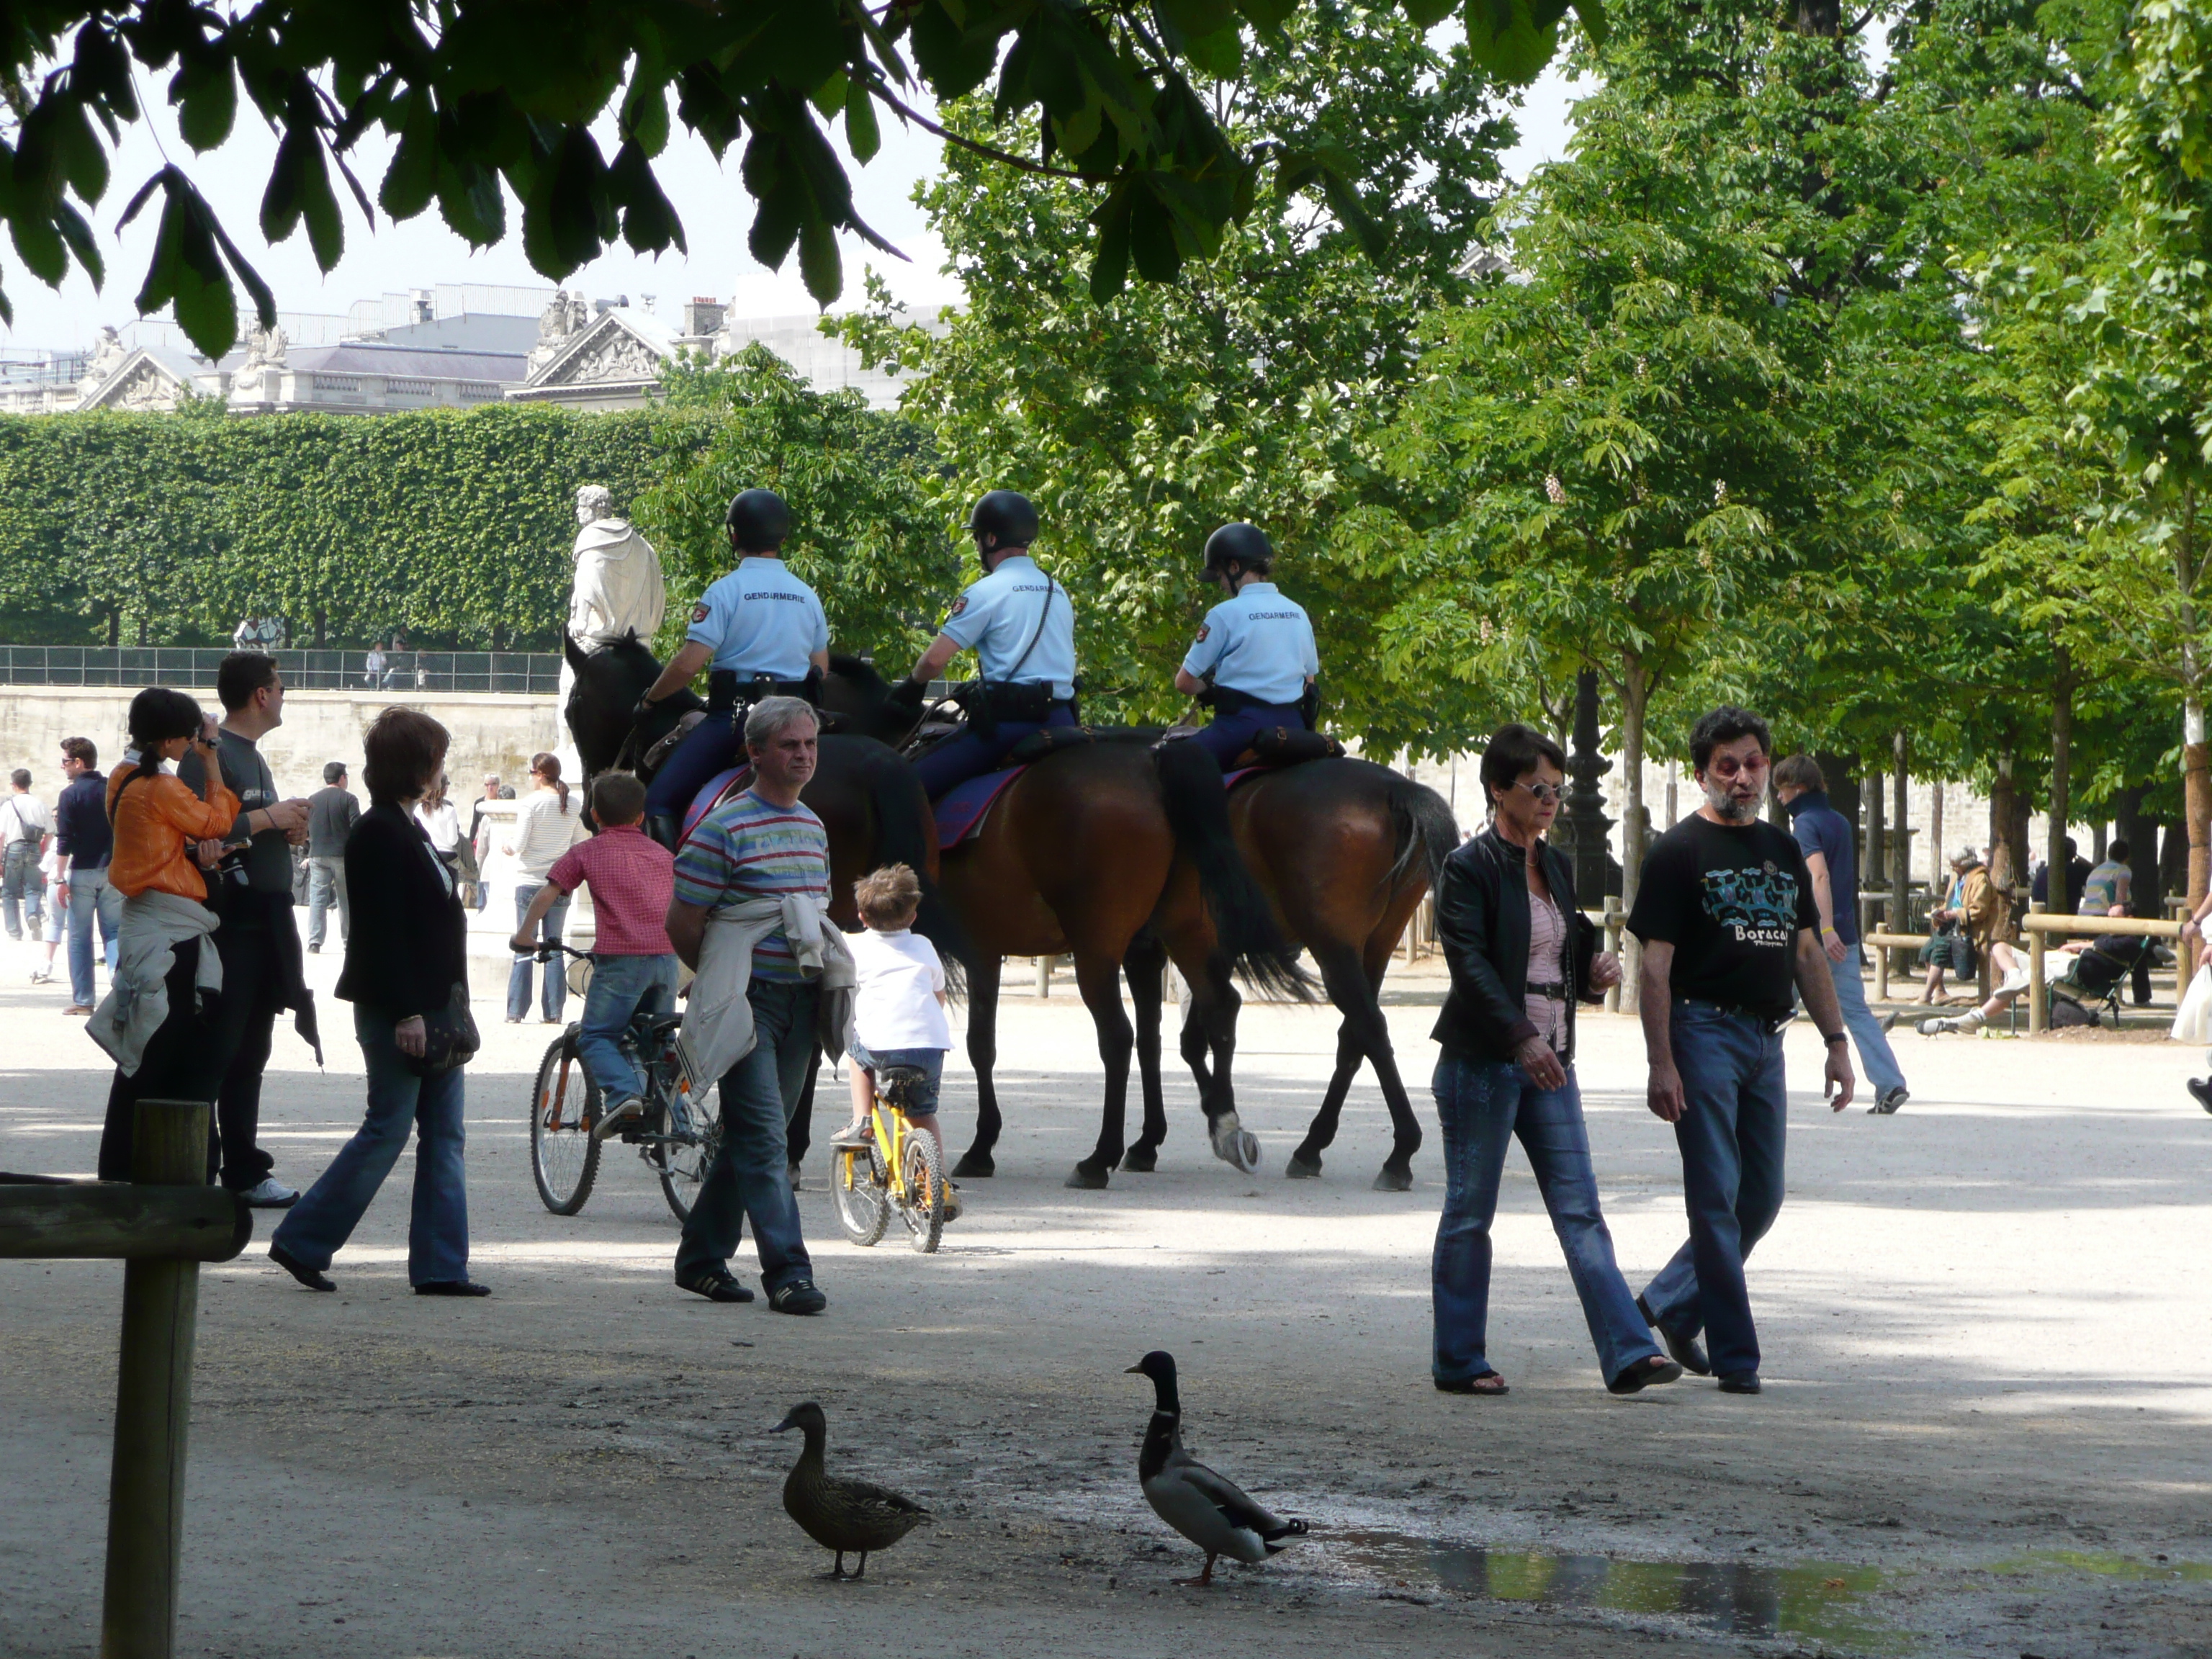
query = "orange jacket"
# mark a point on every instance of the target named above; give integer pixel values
(156, 823)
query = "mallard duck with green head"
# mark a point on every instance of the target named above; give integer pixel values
(1208, 1509)
(839, 1514)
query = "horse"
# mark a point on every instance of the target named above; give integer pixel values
(872, 806)
(1118, 854)
(1344, 850)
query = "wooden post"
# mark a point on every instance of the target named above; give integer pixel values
(1044, 976)
(1614, 919)
(1880, 974)
(153, 1403)
(2036, 1013)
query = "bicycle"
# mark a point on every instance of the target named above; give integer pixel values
(676, 1137)
(896, 1169)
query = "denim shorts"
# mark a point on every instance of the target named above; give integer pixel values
(930, 1062)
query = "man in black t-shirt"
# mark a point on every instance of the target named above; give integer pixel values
(1726, 912)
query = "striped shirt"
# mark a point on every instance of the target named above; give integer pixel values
(749, 848)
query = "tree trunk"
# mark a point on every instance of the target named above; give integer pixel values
(322, 628)
(2195, 781)
(114, 628)
(2139, 831)
(1635, 694)
(1876, 864)
(2001, 822)
(1900, 868)
(1935, 839)
(2061, 900)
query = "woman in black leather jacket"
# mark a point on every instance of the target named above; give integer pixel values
(1521, 957)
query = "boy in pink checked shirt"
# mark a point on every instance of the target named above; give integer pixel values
(632, 877)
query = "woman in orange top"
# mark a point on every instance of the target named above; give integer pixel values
(159, 823)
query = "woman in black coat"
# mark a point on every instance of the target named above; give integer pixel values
(406, 971)
(1521, 957)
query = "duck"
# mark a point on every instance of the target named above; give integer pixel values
(1207, 1508)
(838, 1513)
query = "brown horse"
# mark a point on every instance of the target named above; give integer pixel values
(1345, 849)
(1093, 848)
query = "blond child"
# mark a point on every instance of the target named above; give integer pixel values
(898, 1004)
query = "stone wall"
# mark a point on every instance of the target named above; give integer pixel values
(492, 732)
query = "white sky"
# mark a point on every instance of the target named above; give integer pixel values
(423, 252)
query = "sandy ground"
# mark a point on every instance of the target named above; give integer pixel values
(1984, 1430)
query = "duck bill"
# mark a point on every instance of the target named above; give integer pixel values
(1132, 1370)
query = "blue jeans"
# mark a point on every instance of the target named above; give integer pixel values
(1229, 736)
(1735, 1110)
(317, 1227)
(751, 1174)
(1483, 1105)
(22, 888)
(89, 895)
(621, 987)
(1880, 1064)
(715, 744)
(326, 888)
(930, 1062)
(556, 995)
(970, 754)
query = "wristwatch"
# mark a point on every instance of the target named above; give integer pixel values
(1833, 1038)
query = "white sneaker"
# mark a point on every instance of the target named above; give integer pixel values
(621, 1112)
(269, 1193)
(40, 976)
(2015, 980)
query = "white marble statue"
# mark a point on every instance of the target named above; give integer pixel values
(618, 588)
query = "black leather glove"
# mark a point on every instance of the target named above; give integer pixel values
(645, 711)
(906, 697)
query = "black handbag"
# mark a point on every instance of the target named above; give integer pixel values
(450, 1037)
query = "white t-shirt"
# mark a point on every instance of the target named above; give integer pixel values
(897, 977)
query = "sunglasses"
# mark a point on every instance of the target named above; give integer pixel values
(1728, 766)
(1547, 792)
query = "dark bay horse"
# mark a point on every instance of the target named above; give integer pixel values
(1108, 851)
(1344, 850)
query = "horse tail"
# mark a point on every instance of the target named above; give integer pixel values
(1427, 832)
(1198, 814)
(904, 835)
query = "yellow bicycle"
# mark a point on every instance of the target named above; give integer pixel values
(896, 1169)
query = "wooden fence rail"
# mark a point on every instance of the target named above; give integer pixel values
(2039, 925)
(161, 1226)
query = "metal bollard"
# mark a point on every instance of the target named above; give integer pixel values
(153, 1403)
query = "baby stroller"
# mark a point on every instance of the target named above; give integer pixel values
(2088, 993)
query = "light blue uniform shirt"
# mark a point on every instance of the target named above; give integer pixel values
(1258, 642)
(760, 619)
(997, 617)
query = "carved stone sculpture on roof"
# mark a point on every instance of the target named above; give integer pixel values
(614, 355)
(108, 352)
(264, 349)
(147, 388)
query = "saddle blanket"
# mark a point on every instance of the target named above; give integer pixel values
(719, 788)
(961, 812)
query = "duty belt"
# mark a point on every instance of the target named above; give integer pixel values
(1552, 991)
(726, 689)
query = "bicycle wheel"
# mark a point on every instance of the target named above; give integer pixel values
(564, 1104)
(682, 1167)
(859, 1186)
(923, 1170)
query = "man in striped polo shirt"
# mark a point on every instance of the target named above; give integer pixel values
(749, 868)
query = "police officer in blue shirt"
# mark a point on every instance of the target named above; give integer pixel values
(760, 633)
(1020, 623)
(1254, 659)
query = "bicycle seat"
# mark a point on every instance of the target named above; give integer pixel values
(898, 1083)
(660, 1025)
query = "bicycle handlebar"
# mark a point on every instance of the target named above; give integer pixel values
(544, 951)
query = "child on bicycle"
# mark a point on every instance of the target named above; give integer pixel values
(898, 1004)
(632, 878)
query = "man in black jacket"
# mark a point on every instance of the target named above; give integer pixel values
(84, 839)
(251, 890)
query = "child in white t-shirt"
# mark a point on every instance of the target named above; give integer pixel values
(898, 1002)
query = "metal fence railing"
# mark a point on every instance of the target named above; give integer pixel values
(133, 666)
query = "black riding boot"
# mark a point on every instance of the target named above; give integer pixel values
(664, 828)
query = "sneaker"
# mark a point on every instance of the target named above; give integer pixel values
(269, 1193)
(852, 1134)
(314, 950)
(799, 1297)
(613, 1120)
(1890, 1101)
(1934, 1027)
(2015, 980)
(2200, 1090)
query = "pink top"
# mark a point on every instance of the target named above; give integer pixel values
(1547, 935)
(633, 878)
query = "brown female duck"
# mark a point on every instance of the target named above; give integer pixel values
(838, 1513)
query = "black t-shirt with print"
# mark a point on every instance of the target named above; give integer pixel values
(1730, 901)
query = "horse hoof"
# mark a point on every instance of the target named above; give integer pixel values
(1393, 1180)
(1302, 1168)
(1087, 1181)
(1139, 1160)
(1235, 1146)
(975, 1166)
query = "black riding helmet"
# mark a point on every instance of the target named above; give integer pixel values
(1003, 519)
(757, 520)
(1245, 544)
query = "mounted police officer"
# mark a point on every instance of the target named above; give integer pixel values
(1021, 628)
(762, 631)
(1254, 659)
